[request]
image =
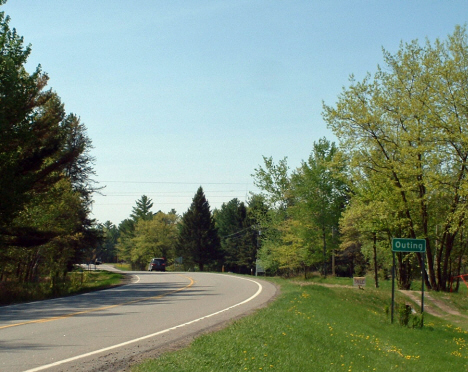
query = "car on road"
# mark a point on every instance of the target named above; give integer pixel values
(157, 264)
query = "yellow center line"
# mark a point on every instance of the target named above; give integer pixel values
(44, 320)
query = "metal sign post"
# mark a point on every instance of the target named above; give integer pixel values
(409, 245)
(393, 285)
(423, 266)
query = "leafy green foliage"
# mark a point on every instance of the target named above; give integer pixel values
(405, 132)
(300, 228)
(146, 235)
(320, 197)
(154, 238)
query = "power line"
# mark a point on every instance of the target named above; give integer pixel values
(237, 232)
(177, 183)
(171, 194)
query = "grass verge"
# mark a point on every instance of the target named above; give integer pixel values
(123, 267)
(76, 282)
(317, 328)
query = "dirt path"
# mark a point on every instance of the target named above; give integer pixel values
(432, 305)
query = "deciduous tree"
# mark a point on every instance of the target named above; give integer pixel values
(406, 130)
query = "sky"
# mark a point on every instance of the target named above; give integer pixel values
(181, 94)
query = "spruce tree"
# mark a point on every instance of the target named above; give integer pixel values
(198, 239)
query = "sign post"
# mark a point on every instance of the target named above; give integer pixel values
(409, 245)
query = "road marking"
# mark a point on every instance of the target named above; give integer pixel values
(138, 281)
(45, 320)
(60, 362)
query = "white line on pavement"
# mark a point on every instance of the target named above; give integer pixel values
(60, 362)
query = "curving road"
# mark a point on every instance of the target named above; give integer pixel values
(107, 330)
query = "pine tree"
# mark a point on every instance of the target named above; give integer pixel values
(142, 210)
(198, 239)
(45, 169)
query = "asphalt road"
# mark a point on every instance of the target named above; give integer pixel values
(111, 329)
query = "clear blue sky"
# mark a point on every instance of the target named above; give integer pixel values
(178, 94)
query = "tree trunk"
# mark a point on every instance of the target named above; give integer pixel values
(324, 254)
(376, 271)
(404, 270)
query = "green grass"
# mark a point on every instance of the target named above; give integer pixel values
(317, 278)
(458, 299)
(94, 280)
(123, 266)
(316, 328)
(76, 282)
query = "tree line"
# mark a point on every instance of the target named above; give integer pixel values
(400, 170)
(202, 239)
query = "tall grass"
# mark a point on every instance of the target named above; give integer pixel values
(75, 282)
(316, 328)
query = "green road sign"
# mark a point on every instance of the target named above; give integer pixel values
(408, 245)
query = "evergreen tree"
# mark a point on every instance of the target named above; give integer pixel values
(110, 234)
(198, 239)
(230, 221)
(142, 209)
(124, 242)
(45, 172)
(239, 233)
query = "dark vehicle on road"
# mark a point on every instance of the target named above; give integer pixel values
(157, 264)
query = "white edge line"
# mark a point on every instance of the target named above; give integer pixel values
(41, 368)
(138, 281)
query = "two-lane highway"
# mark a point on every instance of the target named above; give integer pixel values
(99, 329)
